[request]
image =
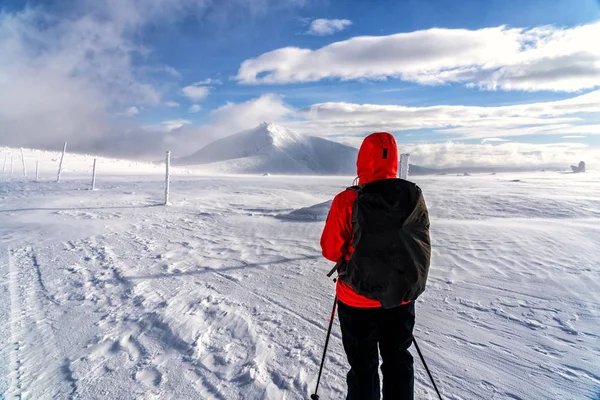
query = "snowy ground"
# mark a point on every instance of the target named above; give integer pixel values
(106, 295)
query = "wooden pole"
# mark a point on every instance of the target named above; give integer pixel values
(168, 179)
(61, 162)
(404, 166)
(94, 176)
(24, 166)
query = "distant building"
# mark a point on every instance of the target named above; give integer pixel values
(579, 168)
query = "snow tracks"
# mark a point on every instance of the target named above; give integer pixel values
(86, 323)
(32, 341)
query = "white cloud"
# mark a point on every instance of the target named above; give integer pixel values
(324, 27)
(172, 104)
(513, 154)
(555, 126)
(66, 71)
(199, 90)
(196, 92)
(466, 122)
(492, 140)
(171, 125)
(541, 58)
(227, 120)
(223, 121)
(194, 109)
(232, 118)
(63, 78)
(209, 81)
(131, 111)
(183, 138)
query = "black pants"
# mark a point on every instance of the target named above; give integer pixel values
(362, 330)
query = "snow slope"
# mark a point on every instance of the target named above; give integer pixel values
(106, 295)
(80, 164)
(270, 148)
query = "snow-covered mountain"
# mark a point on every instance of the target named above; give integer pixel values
(270, 148)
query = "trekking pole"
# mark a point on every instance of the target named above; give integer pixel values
(315, 396)
(426, 368)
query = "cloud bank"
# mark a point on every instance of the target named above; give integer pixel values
(456, 154)
(495, 126)
(464, 122)
(183, 138)
(541, 58)
(514, 155)
(75, 76)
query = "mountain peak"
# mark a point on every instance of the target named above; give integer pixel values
(269, 126)
(277, 135)
(273, 148)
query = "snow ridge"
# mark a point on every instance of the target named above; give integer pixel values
(274, 149)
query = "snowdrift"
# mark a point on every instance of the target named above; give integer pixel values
(318, 212)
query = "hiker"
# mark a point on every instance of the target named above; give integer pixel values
(381, 230)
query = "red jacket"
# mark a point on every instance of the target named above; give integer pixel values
(377, 159)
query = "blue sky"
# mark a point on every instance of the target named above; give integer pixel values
(198, 53)
(151, 53)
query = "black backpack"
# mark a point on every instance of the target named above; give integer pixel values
(392, 248)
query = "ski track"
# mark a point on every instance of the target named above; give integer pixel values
(5, 319)
(33, 369)
(216, 298)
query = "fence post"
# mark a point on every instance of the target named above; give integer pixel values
(61, 162)
(24, 166)
(404, 165)
(5, 163)
(94, 176)
(11, 166)
(168, 179)
(37, 170)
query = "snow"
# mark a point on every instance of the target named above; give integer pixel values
(318, 212)
(108, 295)
(271, 147)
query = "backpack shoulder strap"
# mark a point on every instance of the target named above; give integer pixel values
(356, 188)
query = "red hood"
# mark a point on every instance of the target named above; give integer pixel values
(377, 158)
